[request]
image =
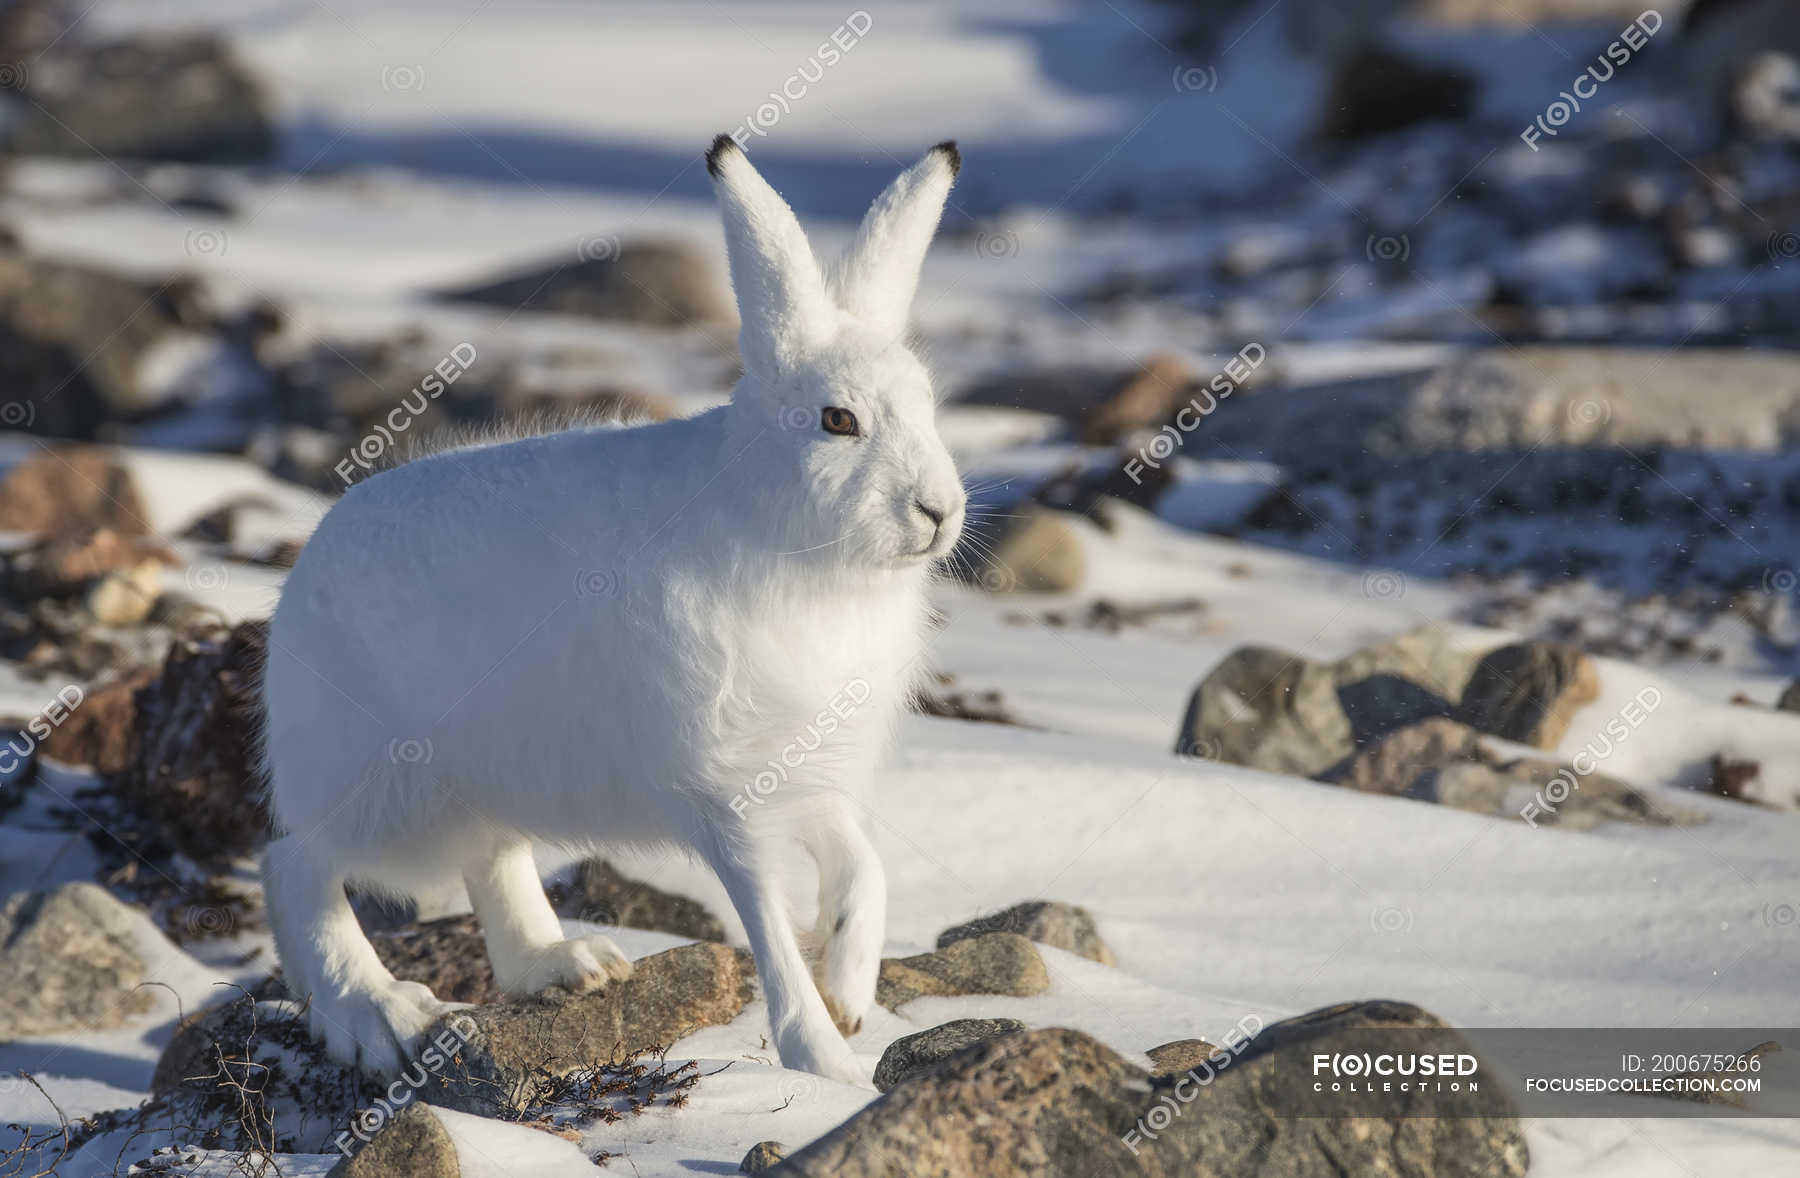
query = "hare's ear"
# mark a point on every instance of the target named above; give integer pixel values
(878, 275)
(780, 291)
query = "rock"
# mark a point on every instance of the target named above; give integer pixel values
(992, 963)
(98, 733)
(1149, 398)
(69, 961)
(412, 1145)
(1268, 709)
(166, 96)
(657, 283)
(1048, 922)
(1790, 697)
(125, 597)
(1405, 761)
(250, 1071)
(1100, 405)
(194, 772)
(763, 1157)
(1528, 692)
(1057, 1102)
(82, 349)
(449, 955)
(70, 491)
(1517, 399)
(1374, 90)
(1034, 551)
(1728, 777)
(600, 894)
(1741, 57)
(507, 1047)
(923, 1050)
(1485, 788)
(1180, 1055)
(67, 564)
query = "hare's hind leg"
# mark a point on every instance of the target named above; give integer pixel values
(525, 941)
(364, 1015)
(852, 916)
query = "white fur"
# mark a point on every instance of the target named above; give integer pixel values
(606, 635)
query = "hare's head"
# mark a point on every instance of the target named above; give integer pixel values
(831, 391)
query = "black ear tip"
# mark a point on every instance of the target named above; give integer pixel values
(953, 156)
(716, 153)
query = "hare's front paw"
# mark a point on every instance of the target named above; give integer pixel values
(579, 964)
(378, 1028)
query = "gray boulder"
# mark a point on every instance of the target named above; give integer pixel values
(1048, 922)
(911, 1054)
(69, 961)
(1057, 1102)
(412, 1145)
(173, 96)
(992, 963)
(1529, 691)
(656, 283)
(600, 893)
(1268, 709)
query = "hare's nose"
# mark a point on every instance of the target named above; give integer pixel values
(934, 514)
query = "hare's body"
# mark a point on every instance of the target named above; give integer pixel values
(699, 632)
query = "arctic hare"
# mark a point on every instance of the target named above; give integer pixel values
(607, 635)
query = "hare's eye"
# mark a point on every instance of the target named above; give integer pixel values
(839, 421)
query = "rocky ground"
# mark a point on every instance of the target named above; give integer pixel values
(1384, 532)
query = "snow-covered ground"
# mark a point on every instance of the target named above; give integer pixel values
(428, 144)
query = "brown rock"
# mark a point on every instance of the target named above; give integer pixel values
(1179, 1056)
(601, 894)
(71, 490)
(993, 963)
(98, 733)
(669, 995)
(193, 771)
(1528, 692)
(1048, 922)
(412, 1145)
(1145, 400)
(1034, 551)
